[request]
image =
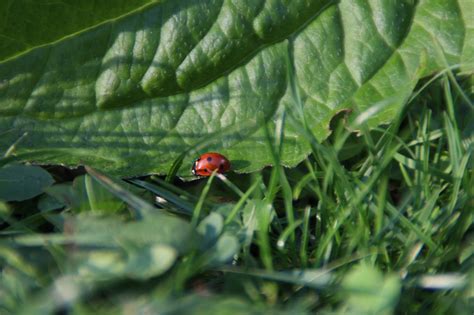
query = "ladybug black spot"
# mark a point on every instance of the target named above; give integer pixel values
(209, 159)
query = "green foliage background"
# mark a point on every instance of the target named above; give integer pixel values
(370, 102)
(133, 93)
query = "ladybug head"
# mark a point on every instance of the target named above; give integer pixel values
(193, 170)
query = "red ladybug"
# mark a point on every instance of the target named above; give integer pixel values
(208, 162)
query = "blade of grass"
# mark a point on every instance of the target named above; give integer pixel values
(142, 208)
(174, 189)
(229, 184)
(264, 214)
(175, 167)
(417, 165)
(241, 202)
(184, 206)
(412, 227)
(287, 232)
(12, 148)
(305, 237)
(198, 208)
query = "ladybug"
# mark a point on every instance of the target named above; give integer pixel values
(208, 162)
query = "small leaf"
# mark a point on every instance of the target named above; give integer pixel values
(22, 182)
(65, 194)
(368, 291)
(137, 263)
(91, 230)
(210, 228)
(225, 249)
(254, 212)
(101, 264)
(49, 203)
(149, 261)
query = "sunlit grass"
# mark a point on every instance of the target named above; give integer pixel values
(378, 222)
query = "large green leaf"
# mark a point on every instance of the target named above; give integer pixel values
(25, 24)
(131, 95)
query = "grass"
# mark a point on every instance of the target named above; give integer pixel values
(373, 224)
